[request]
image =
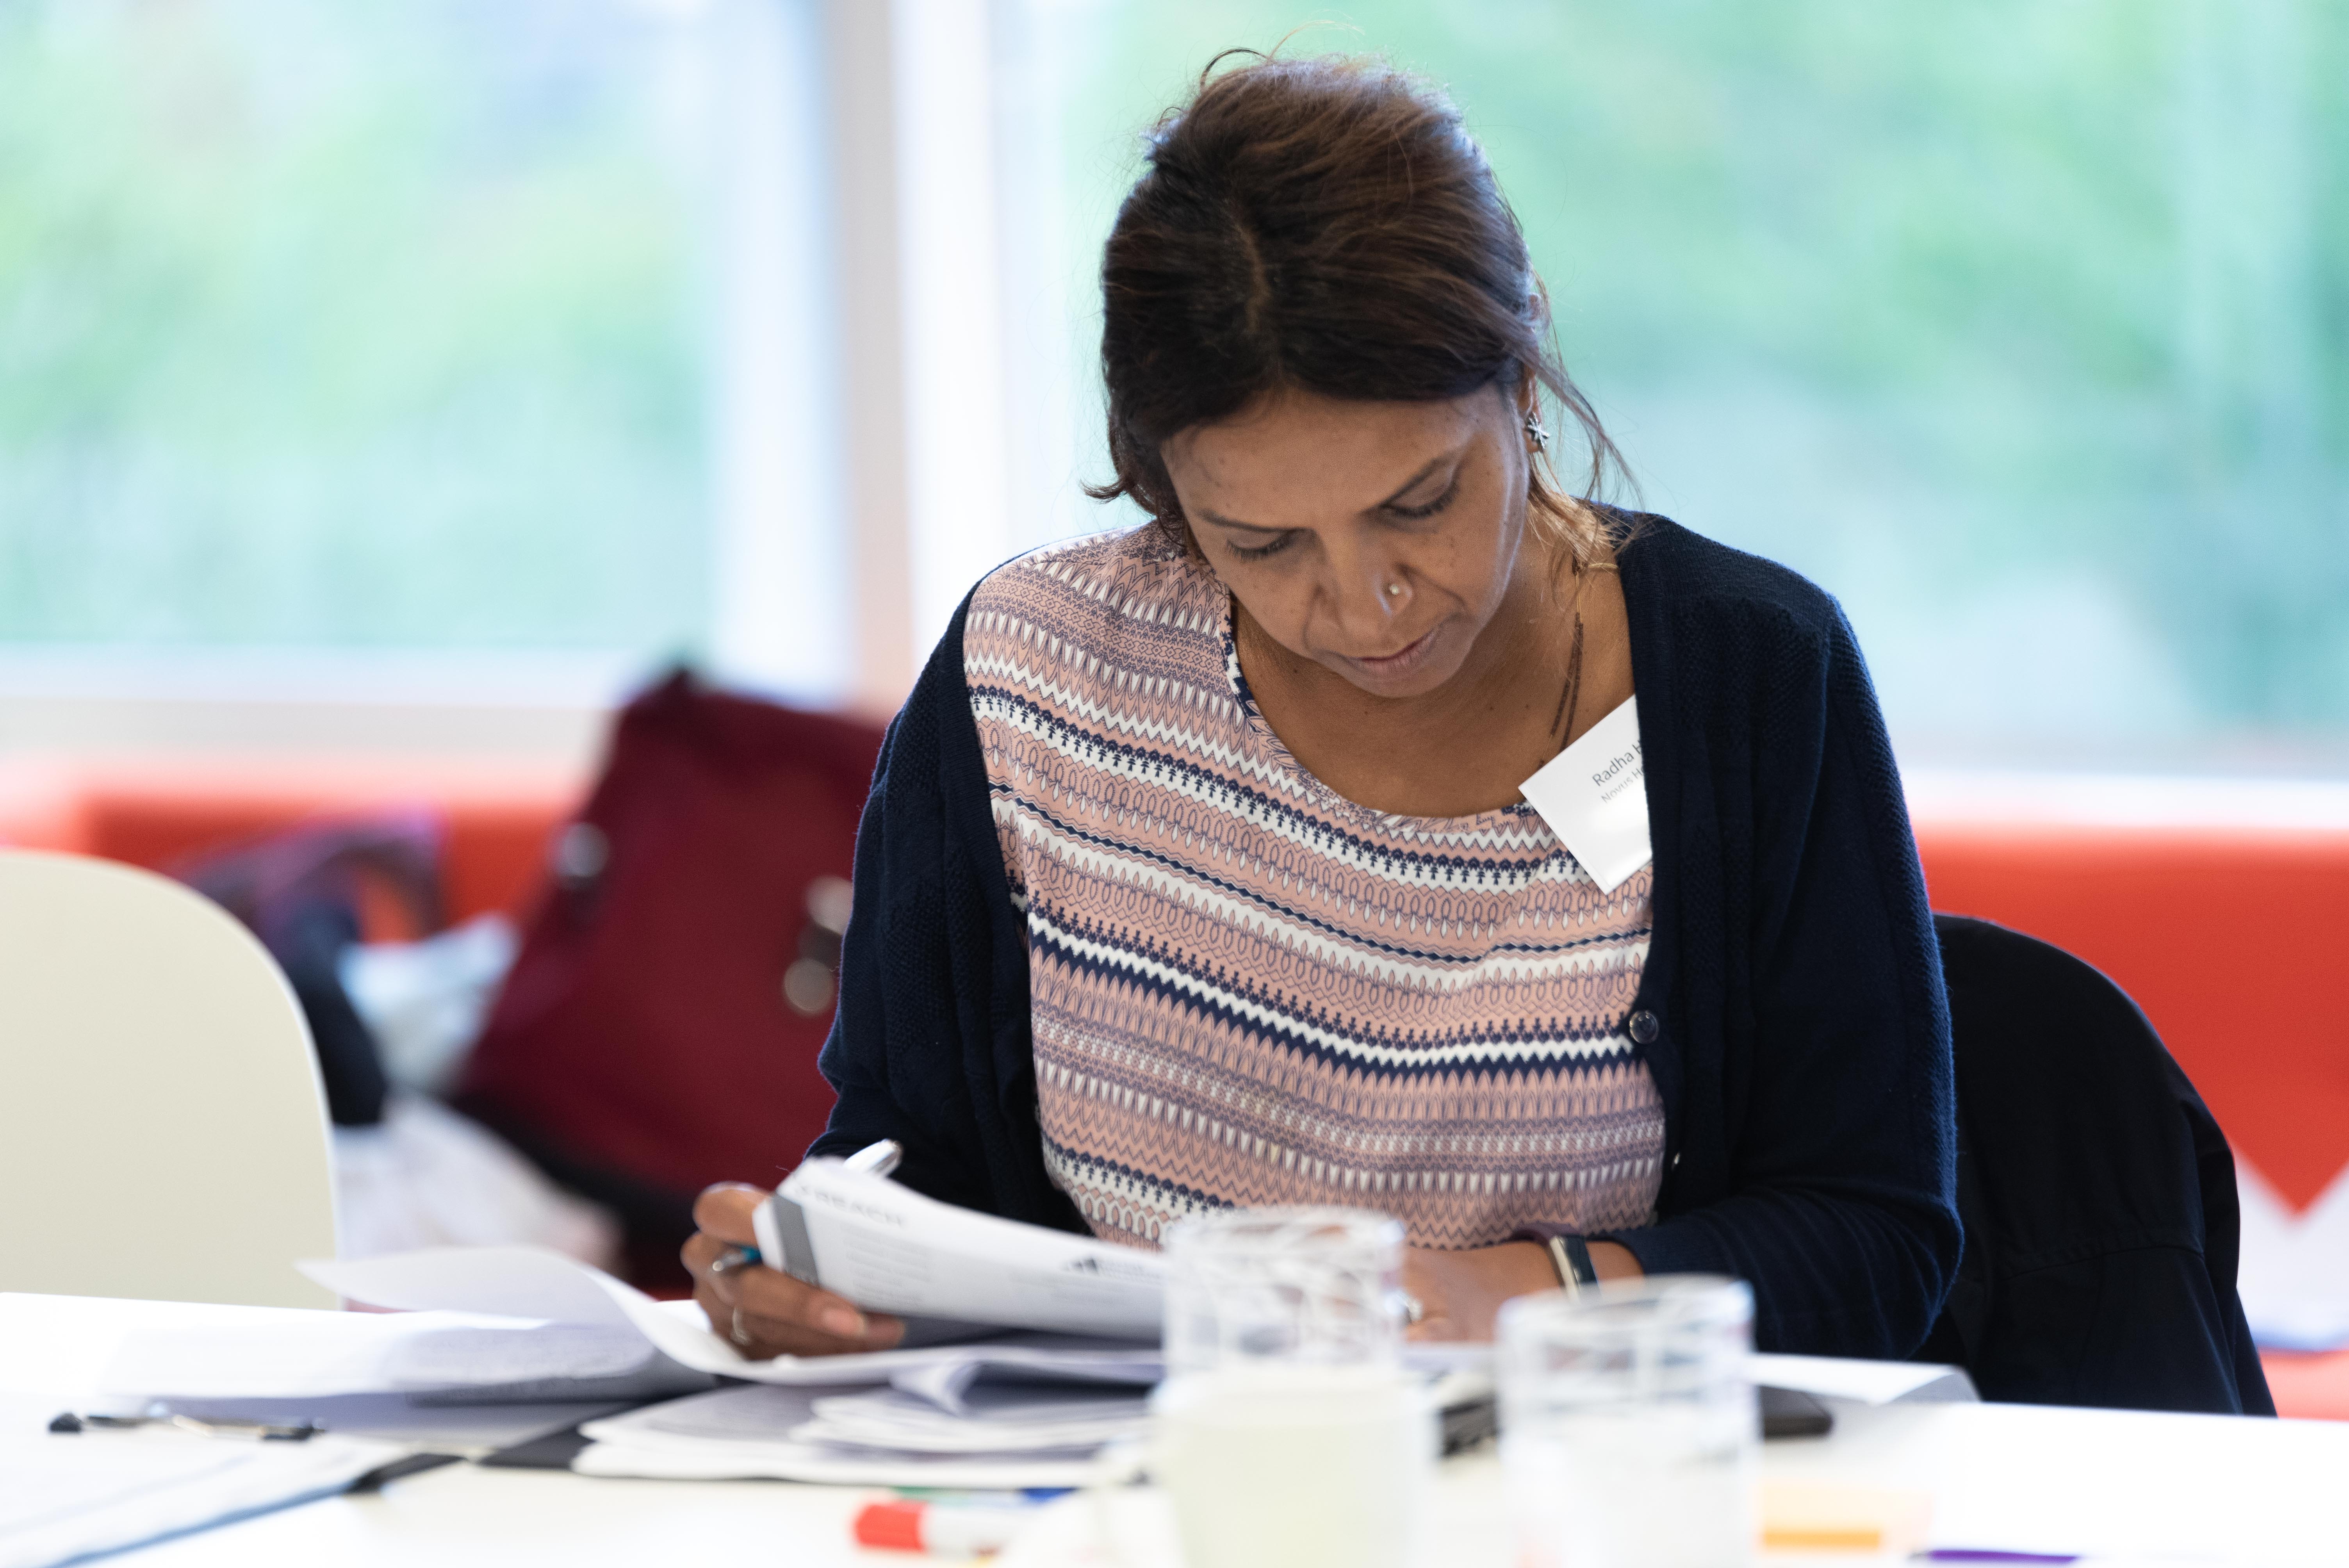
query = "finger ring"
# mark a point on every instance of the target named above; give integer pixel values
(730, 1260)
(1413, 1309)
(740, 1335)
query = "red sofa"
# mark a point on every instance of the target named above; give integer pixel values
(159, 813)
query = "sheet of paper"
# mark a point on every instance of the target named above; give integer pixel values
(444, 1356)
(469, 1431)
(745, 1433)
(1866, 1382)
(947, 1382)
(536, 1284)
(317, 1353)
(62, 1498)
(1594, 796)
(995, 1419)
(531, 1282)
(748, 1414)
(823, 1466)
(890, 1249)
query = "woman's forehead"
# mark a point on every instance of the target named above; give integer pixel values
(1302, 441)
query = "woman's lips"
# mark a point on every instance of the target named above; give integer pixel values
(1397, 663)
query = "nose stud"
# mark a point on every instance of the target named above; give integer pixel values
(1394, 590)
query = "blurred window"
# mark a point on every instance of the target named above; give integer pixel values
(336, 325)
(2022, 328)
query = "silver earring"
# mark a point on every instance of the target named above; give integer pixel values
(1536, 431)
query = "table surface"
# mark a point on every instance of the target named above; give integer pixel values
(2016, 1477)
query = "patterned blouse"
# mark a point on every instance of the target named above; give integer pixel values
(1250, 990)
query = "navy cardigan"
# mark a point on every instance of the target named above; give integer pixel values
(1803, 1053)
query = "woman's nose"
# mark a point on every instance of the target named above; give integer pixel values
(1369, 590)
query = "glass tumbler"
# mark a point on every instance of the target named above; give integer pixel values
(1628, 1430)
(1287, 1432)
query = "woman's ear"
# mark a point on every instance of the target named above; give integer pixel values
(1524, 398)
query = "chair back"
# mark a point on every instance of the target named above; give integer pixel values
(2097, 1192)
(162, 1128)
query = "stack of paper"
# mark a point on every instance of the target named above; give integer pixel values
(1018, 1408)
(992, 1419)
(1027, 1410)
(443, 1382)
(1009, 1437)
(1014, 1410)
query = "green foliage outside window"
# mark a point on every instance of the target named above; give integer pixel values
(358, 324)
(2020, 325)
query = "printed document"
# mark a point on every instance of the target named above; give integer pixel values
(889, 1249)
(63, 1499)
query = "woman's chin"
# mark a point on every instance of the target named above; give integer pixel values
(1418, 670)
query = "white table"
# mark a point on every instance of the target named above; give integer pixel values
(2175, 1487)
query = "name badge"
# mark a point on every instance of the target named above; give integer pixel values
(1594, 796)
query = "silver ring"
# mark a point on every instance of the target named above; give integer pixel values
(730, 1260)
(1413, 1309)
(740, 1335)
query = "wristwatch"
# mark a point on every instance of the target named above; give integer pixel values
(1570, 1255)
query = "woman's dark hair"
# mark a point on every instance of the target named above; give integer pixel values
(1326, 224)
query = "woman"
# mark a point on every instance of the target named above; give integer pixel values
(1196, 873)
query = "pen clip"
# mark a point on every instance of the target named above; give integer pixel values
(233, 1427)
(876, 1158)
(160, 1416)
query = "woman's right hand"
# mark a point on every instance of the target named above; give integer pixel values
(766, 1312)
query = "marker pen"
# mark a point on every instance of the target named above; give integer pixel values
(903, 1525)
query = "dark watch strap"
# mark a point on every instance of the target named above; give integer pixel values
(1570, 1255)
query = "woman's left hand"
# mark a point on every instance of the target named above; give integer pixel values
(1461, 1293)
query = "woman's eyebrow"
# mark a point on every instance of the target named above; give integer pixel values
(1220, 521)
(1409, 484)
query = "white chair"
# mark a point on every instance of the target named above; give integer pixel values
(162, 1125)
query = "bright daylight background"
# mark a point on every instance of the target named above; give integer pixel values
(514, 347)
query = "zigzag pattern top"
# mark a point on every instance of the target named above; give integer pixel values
(1246, 989)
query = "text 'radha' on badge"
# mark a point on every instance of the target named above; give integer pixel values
(1594, 796)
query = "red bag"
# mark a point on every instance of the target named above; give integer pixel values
(660, 1030)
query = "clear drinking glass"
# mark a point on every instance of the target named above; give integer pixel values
(1628, 1432)
(1287, 1432)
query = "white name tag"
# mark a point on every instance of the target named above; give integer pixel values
(1594, 796)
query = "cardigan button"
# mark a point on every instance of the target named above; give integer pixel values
(1644, 1027)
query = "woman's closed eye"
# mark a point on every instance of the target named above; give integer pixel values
(1426, 508)
(1274, 546)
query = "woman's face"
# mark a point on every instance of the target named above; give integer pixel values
(1376, 540)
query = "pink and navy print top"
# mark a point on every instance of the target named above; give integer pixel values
(1246, 989)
